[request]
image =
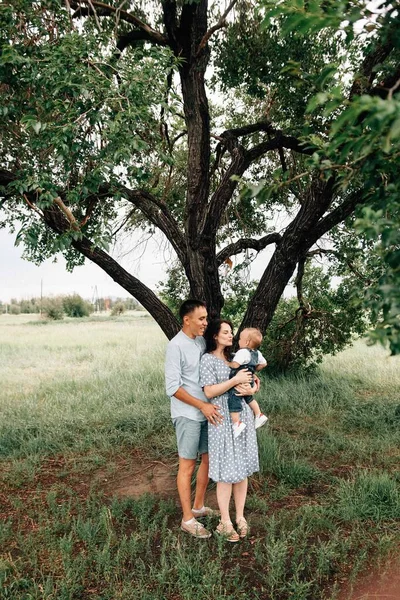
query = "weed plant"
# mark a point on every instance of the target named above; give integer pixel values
(84, 395)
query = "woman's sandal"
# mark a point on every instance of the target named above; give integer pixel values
(242, 527)
(227, 531)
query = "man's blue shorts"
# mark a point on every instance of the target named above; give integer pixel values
(191, 436)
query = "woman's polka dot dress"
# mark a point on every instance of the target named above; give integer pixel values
(231, 460)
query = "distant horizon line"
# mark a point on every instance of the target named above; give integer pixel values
(31, 297)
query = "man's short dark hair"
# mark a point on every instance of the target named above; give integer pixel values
(189, 306)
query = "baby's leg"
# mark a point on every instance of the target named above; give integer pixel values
(235, 416)
(255, 407)
(260, 418)
(235, 409)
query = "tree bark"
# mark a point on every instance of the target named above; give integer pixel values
(295, 243)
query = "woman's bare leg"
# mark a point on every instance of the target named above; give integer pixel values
(224, 492)
(240, 494)
(235, 417)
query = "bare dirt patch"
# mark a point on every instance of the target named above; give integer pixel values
(138, 475)
(377, 585)
(153, 477)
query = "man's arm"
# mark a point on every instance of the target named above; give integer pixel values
(173, 385)
(210, 411)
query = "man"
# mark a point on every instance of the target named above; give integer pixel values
(190, 412)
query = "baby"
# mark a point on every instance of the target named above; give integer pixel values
(247, 357)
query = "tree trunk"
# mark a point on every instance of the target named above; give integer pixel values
(201, 267)
(269, 291)
(295, 243)
(203, 277)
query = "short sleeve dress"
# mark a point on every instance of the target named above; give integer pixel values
(231, 460)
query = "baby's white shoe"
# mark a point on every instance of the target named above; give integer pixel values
(238, 428)
(260, 420)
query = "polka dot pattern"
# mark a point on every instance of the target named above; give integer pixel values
(231, 460)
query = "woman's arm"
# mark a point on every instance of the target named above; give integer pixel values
(217, 389)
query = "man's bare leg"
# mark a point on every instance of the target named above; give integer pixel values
(201, 482)
(184, 480)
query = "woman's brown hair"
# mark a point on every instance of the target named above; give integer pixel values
(213, 329)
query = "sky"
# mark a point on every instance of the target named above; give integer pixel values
(22, 279)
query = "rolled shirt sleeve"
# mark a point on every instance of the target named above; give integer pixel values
(173, 376)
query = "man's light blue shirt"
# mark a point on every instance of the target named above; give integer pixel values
(182, 369)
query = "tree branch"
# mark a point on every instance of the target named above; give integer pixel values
(384, 88)
(137, 35)
(223, 194)
(282, 159)
(277, 143)
(32, 206)
(337, 215)
(298, 282)
(158, 214)
(106, 10)
(263, 125)
(154, 210)
(89, 210)
(247, 243)
(72, 221)
(221, 23)
(171, 23)
(241, 160)
(367, 72)
(339, 256)
(57, 221)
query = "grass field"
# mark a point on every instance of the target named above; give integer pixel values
(83, 397)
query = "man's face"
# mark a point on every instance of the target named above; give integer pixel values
(195, 323)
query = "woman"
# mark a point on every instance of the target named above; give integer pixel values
(231, 460)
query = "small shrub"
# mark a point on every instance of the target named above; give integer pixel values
(53, 309)
(117, 309)
(15, 309)
(75, 306)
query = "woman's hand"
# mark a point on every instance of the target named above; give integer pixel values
(244, 389)
(243, 376)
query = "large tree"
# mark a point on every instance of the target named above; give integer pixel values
(111, 122)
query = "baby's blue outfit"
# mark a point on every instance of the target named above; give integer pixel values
(235, 401)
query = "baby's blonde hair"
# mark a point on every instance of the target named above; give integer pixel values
(255, 337)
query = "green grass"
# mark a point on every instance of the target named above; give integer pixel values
(80, 398)
(74, 386)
